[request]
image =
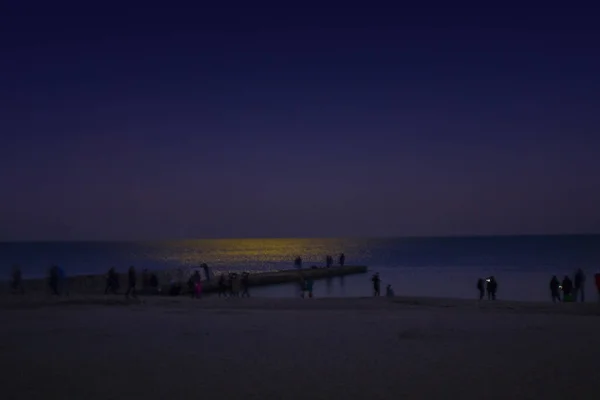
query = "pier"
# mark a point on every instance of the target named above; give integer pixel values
(292, 275)
(96, 283)
(283, 276)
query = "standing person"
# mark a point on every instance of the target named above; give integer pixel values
(328, 261)
(302, 283)
(207, 272)
(131, 281)
(16, 283)
(567, 286)
(245, 284)
(222, 286)
(492, 287)
(230, 279)
(481, 288)
(555, 289)
(198, 287)
(342, 259)
(175, 287)
(111, 281)
(53, 280)
(389, 292)
(376, 284)
(580, 285)
(154, 283)
(235, 285)
(298, 262)
(63, 284)
(310, 283)
(191, 285)
(194, 284)
(597, 279)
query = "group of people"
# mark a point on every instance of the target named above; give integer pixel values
(328, 261)
(112, 281)
(569, 290)
(195, 285)
(376, 281)
(489, 286)
(572, 290)
(234, 285)
(306, 287)
(150, 283)
(57, 281)
(307, 284)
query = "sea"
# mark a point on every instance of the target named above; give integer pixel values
(436, 266)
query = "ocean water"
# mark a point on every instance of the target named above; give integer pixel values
(440, 267)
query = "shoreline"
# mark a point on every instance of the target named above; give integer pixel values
(213, 302)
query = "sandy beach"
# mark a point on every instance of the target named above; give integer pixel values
(96, 347)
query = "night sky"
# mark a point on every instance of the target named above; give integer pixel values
(134, 122)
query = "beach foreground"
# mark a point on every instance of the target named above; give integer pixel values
(159, 348)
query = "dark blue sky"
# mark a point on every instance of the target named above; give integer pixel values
(141, 122)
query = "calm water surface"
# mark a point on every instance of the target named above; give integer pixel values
(523, 265)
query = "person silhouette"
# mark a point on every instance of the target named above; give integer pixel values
(53, 280)
(580, 285)
(63, 283)
(492, 287)
(131, 282)
(195, 284)
(16, 283)
(222, 286)
(376, 284)
(235, 285)
(154, 283)
(245, 284)
(567, 287)
(302, 285)
(112, 281)
(309, 284)
(481, 288)
(555, 289)
(389, 292)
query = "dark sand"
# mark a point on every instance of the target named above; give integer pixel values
(96, 347)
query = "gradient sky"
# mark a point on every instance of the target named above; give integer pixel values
(140, 122)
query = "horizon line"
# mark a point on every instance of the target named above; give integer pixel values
(457, 236)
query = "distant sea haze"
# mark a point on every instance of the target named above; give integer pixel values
(446, 267)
